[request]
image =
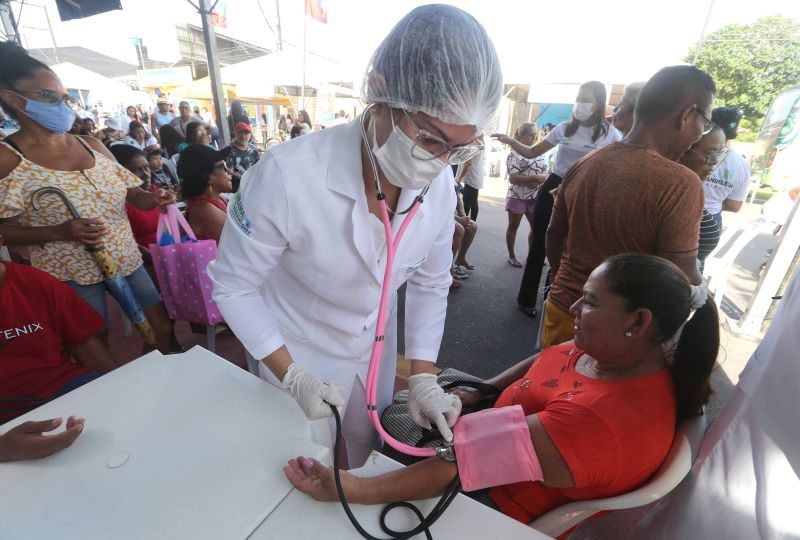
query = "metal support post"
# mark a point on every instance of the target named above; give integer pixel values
(9, 24)
(212, 57)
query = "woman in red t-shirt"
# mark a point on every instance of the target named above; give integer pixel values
(143, 222)
(601, 410)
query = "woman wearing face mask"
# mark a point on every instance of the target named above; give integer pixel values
(42, 154)
(587, 130)
(301, 288)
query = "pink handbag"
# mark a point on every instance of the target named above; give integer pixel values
(180, 266)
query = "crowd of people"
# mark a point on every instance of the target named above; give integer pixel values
(624, 214)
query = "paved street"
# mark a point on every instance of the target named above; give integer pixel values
(485, 333)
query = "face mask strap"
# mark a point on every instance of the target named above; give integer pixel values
(374, 167)
(365, 140)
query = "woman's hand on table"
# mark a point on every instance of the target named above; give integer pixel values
(316, 480)
(28, 440)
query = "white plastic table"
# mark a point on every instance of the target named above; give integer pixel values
(301, 517)
(203, 444)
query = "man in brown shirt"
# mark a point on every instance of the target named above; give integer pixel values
(631, 196)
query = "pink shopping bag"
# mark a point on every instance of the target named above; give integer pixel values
(180, 266)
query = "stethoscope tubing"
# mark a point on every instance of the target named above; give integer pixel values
(392, 244)
(377, 347)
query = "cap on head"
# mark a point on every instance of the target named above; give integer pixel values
(728, 119)
(114, 123)
(440, 61)
(197, 160)
(242, 126)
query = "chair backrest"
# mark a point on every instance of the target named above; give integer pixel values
(562, 520)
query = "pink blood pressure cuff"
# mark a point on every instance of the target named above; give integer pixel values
(494, 448)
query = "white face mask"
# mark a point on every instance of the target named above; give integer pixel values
(582, 111)
(400, 167)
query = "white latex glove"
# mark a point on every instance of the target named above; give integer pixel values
(311, 393)
(427, 400)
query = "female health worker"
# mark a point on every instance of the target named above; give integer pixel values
(302, 256)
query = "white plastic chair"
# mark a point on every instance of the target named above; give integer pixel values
(672, 471)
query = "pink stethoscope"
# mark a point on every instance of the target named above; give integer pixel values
(377, 348)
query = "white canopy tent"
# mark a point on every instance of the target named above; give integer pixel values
(257, 77)
(93, 86)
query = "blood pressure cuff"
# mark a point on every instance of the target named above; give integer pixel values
(494, 448)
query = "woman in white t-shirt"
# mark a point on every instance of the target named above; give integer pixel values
(587, 130)
(726, 186)
(137, 136)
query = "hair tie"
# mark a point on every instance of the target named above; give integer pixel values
(699, 296)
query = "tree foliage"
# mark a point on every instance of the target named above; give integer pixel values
(751, 63)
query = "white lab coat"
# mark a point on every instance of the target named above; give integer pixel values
(297, 262)
(745, 483)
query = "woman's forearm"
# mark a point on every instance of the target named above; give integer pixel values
(141, 199)
(530, 152)
(514, 373)
(422, 480)
(94, 354)
(15, 235)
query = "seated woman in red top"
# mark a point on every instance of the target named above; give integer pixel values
(143, 222)
(205, 177)
(601, 411)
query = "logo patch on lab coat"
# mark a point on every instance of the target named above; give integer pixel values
(239, 216)
(414, 267)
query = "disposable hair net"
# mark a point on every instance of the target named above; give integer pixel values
(440, 61)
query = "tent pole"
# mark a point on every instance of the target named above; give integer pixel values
(303, 88)
(212, 58)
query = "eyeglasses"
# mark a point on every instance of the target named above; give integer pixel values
(708, 125)
(426, 144)
(48, 96)
(711, 157)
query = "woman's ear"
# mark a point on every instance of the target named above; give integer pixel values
(380, 122)
(11, 98)
(641, 323)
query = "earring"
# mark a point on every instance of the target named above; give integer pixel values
(628, 334)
